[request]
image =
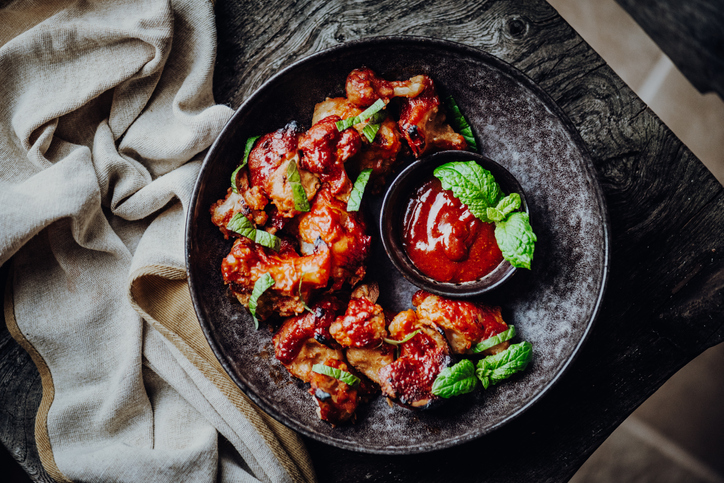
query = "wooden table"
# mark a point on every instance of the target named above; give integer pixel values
(691, 33)
(664, 301)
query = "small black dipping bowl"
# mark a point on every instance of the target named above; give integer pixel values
(393, 214)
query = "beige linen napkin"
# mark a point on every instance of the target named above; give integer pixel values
(105, 111)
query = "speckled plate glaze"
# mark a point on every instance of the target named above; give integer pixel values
(553, 306)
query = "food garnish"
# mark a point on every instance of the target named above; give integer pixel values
(243, 226)
(355, 197)
(476, 187)
(516, 239)
(405, 339)
(364, 116)
(306, 307)
(260, 286)
(344, 376)
(459, 123)
(249, 144)
(456, 380)
(494, 340)
(498, 367)
(301, 202)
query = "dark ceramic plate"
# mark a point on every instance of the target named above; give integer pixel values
(553, 306)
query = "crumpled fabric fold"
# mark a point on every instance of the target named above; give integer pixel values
(106, 110)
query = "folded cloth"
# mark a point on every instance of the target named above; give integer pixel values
(105, 110)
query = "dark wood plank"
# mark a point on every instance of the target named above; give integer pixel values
(20, 393)
(690, 32)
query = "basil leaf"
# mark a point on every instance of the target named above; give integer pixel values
(366, 114)
(355, 197)
(516, 239)
(301, 202)
(344, 376)
(456, 380)
(243, 226)
(249, 145)
(494, 340)
(494, 369)
(470, 183)
(260, 286)
(400, 342)
(459, 123)
(370, 131)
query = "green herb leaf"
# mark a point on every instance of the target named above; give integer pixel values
(243, 226)
(365, 115)
(306, 307)
(459, 123)
(400, 342)
(494, 369)
(516, 239)
(355, 197)
(494, 340)
(344, 376)
(301, 202)
(509, 204)
(505, 206)
(247, 149)
(268, 240)
(249, 145)
(260, 286)
(456, 380)
(370, 131)
(473, 185)
(234, 184)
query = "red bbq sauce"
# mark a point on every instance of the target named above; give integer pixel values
(444, 240)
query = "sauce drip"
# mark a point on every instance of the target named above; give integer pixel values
(444, 240)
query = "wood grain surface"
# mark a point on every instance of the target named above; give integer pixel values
(664, 300)
(691, 33)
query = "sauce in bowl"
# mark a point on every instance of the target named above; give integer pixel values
(444, 240)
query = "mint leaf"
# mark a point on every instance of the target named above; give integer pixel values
(470, 183)
(516, 239)
(494, 214)
(306, 307)
(260, 286)
(301, 202)
(400, 342)
(249, 145)
(494, 369)
(268, 240)
(509, 204)
(456, 380)
(234, 182)
(243, 226)
(344, 376)
(247, 149)
(459, 123)
(365, 115)
(494, 340)
(370, 131)
(355, 197)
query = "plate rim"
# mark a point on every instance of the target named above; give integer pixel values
(507, 69)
